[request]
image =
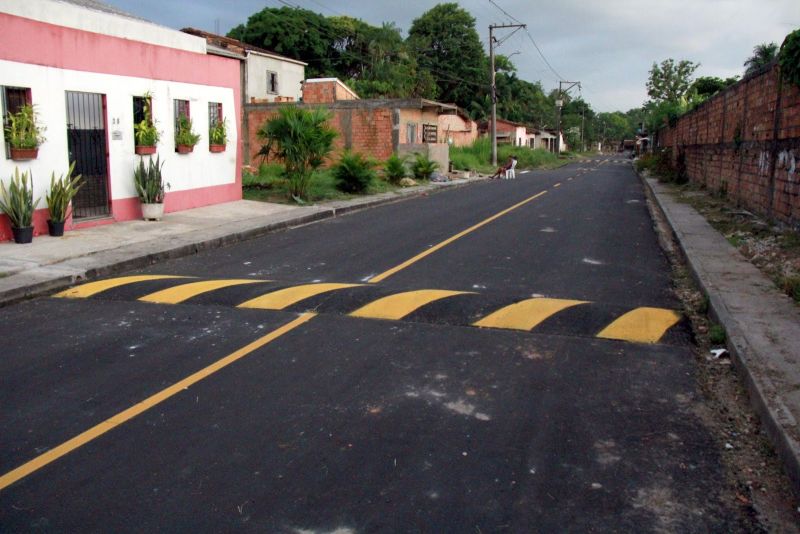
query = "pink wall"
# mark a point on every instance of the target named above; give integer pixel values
(29, 41)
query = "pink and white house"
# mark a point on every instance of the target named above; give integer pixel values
(86, 67)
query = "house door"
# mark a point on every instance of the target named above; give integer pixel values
(88, 148)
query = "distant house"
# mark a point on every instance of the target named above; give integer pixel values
(373, 127)
(266, 76)
(457, 128)
(87, 71)
(508, 132)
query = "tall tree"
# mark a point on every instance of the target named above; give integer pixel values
(447, 44)
(763, 54)
(669, 82)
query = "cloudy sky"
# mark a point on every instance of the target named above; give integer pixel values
(608, 45)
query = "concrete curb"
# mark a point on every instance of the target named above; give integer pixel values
(766, 397)
(48, 279)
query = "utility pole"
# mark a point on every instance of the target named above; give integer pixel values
(493, 126)
(559, 104)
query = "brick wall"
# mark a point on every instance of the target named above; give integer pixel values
(326, 91)
(745, 142)
(365, 130)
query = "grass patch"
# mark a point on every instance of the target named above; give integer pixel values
(269, 185)
(478, 156)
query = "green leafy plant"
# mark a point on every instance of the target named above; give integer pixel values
(218, 132)
(62, 191)
(395, 168)
(716, 334)
(354, 173)
(423, 167)
(145, 131)
(17, 201)
(149, 181)
(184, 135)
(789, 58)
(22, 130)
(301, 139)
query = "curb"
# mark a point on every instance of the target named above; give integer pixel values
(43, 284)
(760, 388)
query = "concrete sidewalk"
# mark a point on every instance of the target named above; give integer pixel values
(52, 263)
(762, 324)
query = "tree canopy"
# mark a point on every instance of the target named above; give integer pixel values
(670, 81)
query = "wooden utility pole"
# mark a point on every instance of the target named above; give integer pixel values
(493, 126)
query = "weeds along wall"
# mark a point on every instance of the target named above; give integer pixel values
(745, 143)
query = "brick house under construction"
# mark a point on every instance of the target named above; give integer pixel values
(373, 127)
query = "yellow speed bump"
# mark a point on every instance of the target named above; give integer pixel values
(399, 305)
(92, 288)
(283, 298)
(642, 325)
(178, 294)
(526, 314)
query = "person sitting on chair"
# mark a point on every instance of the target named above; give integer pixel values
(511, 168)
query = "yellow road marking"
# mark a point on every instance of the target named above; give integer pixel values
(386, 274)
(558, 184)
(526, 314)
(128, 414)
(278, 300)
(642, 325)
(178, 294)
(399, 305)
(92, 288)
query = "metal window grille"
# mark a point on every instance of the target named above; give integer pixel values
(88, 148)
(214, 113)
(181, 108)
(429, 133)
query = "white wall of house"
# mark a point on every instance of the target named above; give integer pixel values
(74, 16)
(48, 88)
(290, 77)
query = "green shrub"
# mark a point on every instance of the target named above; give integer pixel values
(23, 130)
(62, 191)
(478, 156)
(395, 168)
(791, 286)
(301, 139)
(716, 334)
(185, 134)
(423, 167)
(789, 58)
(17, 201)
(354, 173)
(267, 176)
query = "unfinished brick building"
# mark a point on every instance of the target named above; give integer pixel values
(373, 127)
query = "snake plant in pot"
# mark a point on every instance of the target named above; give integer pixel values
(62, 191)
(150, 187)
(18, 205)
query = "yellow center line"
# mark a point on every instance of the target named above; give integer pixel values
(141, 407)
(386, 274)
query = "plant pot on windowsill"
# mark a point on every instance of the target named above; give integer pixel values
(144, 150)
(24, 154)
(216, 148)
(185, 149)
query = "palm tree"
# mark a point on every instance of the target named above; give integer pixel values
(763, 55)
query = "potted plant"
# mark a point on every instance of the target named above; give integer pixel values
(150, 188)
(185, 138)
(17, 203)
(24, 134)
(62, 191)
(145, 133)
(218, 136)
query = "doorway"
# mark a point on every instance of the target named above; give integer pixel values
(88, 148)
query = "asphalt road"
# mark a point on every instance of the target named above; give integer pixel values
(443, 364)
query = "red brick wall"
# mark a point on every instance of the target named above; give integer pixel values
(367, 131)
(745, 142)
(325, 92)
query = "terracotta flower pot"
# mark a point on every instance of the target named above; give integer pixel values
(23, 154)
(216, 148)
(185, 149)
(144, 150)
